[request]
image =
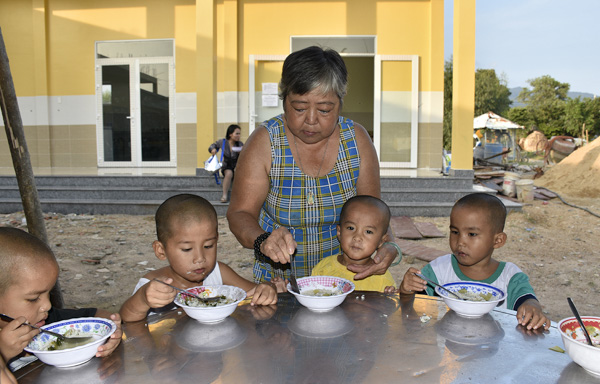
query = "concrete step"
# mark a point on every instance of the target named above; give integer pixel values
(406, 196)
(203, 181)
(98, 207)
(443, 183)
(112, 193)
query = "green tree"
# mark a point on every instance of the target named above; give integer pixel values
(593, 107)
(577, 115)
(447, 124)
(521, 116)
(546, 103)
(491, 93)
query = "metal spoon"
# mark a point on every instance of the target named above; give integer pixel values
(576, 313)
(444, 288)
(74, 339)
(203, 299)
(293, 282)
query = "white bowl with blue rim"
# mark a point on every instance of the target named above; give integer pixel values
(322, 293)
(211, 314)
(471, 290)
(99, 329)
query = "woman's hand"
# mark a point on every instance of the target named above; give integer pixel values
(279, 246)
(381, 262)
(213, 151)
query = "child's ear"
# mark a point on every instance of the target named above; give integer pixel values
(384, 239)
(338, 228)
(159, 250)
(499, 240)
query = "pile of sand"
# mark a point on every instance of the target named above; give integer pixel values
(577, 175)
(536, 141)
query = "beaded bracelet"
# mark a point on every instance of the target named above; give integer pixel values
(257, 243)
(397, 249)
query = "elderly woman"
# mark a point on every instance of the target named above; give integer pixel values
(297, 170)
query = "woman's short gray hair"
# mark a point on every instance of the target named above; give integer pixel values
(313, 68)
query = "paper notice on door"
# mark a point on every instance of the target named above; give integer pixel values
(269, 88)
(270, 100)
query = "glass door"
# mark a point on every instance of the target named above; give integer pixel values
(136, 104)
(154, 112)
(116, 114)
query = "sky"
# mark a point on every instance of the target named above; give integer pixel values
(525, 39)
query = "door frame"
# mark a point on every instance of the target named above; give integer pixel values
(414, 112)
(378, 61)
(135, 112)
(252, 59)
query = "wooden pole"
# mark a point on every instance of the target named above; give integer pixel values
(21, 160)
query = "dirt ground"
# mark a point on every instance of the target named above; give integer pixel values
(101, 257)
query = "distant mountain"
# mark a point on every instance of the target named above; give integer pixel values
(514, 92)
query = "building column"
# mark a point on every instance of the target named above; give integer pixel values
(206, 79)
(463, 87)
(42, 156)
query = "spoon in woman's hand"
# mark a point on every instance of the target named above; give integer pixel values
(576, 313)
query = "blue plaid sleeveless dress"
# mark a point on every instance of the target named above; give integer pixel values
(312, 226)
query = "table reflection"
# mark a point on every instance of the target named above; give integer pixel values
(371, 337)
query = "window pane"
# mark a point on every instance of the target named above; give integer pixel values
(115, 113)
(131, 49)
(154, 102)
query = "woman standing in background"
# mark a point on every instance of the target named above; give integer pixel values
(230, 147)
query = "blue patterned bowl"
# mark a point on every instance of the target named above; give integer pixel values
(98, 328)
(471, 308)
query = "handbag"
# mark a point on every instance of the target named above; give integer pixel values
(213, 164)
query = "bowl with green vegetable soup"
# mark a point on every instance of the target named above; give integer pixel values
(479, 298)
(95, 331)
(211, 303)
(322, 293)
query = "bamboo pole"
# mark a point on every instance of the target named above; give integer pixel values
(21, 161)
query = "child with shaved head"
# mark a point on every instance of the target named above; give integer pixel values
(362, 229)
(476, 229)
(187, 235)
(28, 271)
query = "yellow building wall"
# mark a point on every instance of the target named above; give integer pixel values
(402, 28)
(16, 21)
(51, 48)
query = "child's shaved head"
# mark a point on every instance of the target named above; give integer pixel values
(182, 208)
(371, 201)
(17, 249)
(490, 204)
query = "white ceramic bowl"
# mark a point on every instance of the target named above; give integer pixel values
(215, 314)
(341, 287)
(99, 328)
(471, 308)
(576, 345)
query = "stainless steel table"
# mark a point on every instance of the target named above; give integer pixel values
(370, 338)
